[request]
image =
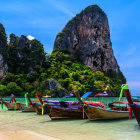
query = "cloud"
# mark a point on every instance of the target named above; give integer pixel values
(30, 37)
(61, 7)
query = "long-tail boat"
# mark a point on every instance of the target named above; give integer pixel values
(10, 105)
(25, 107)
(28, 108)
(34, 105)
(72, 110)
(97, 112)
(48, 104)
(63, 113)
(135, 107)
(39, 108)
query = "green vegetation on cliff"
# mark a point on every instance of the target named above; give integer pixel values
(67, 71)
(24, 55)
(3, 41)
(30, 69)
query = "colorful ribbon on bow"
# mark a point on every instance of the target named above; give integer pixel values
(15, 108)
(124, 86)
(26, 101)
(38, 96)
(130, 113)
(43, 109)
(2, 104)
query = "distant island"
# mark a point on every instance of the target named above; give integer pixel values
(82, 59)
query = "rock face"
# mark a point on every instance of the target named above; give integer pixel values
(88, 36)
(24, 54)
(59, 91)
(3, 51)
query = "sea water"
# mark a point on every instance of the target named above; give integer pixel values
(69, 129)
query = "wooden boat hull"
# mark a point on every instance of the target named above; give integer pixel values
(27, 109)
(38, 109)
(11, 106)
(135, 107)
(63, 113)
(96, 113)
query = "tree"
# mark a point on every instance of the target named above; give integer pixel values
(12, 88)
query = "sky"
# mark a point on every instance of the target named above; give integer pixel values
(43, 19)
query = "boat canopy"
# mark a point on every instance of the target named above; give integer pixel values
(86, 94)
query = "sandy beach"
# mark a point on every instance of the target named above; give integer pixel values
(23, 135)
(15, 125)
(12, 126)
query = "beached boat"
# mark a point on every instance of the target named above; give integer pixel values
(11, 106)
(36, 107)
(97, 112)
(62, 109)
(65, 113)
(71, 110)
(17, 105)
(135, 107)
(40, 109)
(25, 108)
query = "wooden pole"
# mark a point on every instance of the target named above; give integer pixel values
(29, 99)
(78, 97)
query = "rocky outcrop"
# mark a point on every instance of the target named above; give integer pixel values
(3, 51)
(88, 36)
(55, 87)
(25, 54)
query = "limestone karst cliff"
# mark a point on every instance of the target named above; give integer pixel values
(24, 54)
(82, 59)
(87, 35)
(3, 49)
